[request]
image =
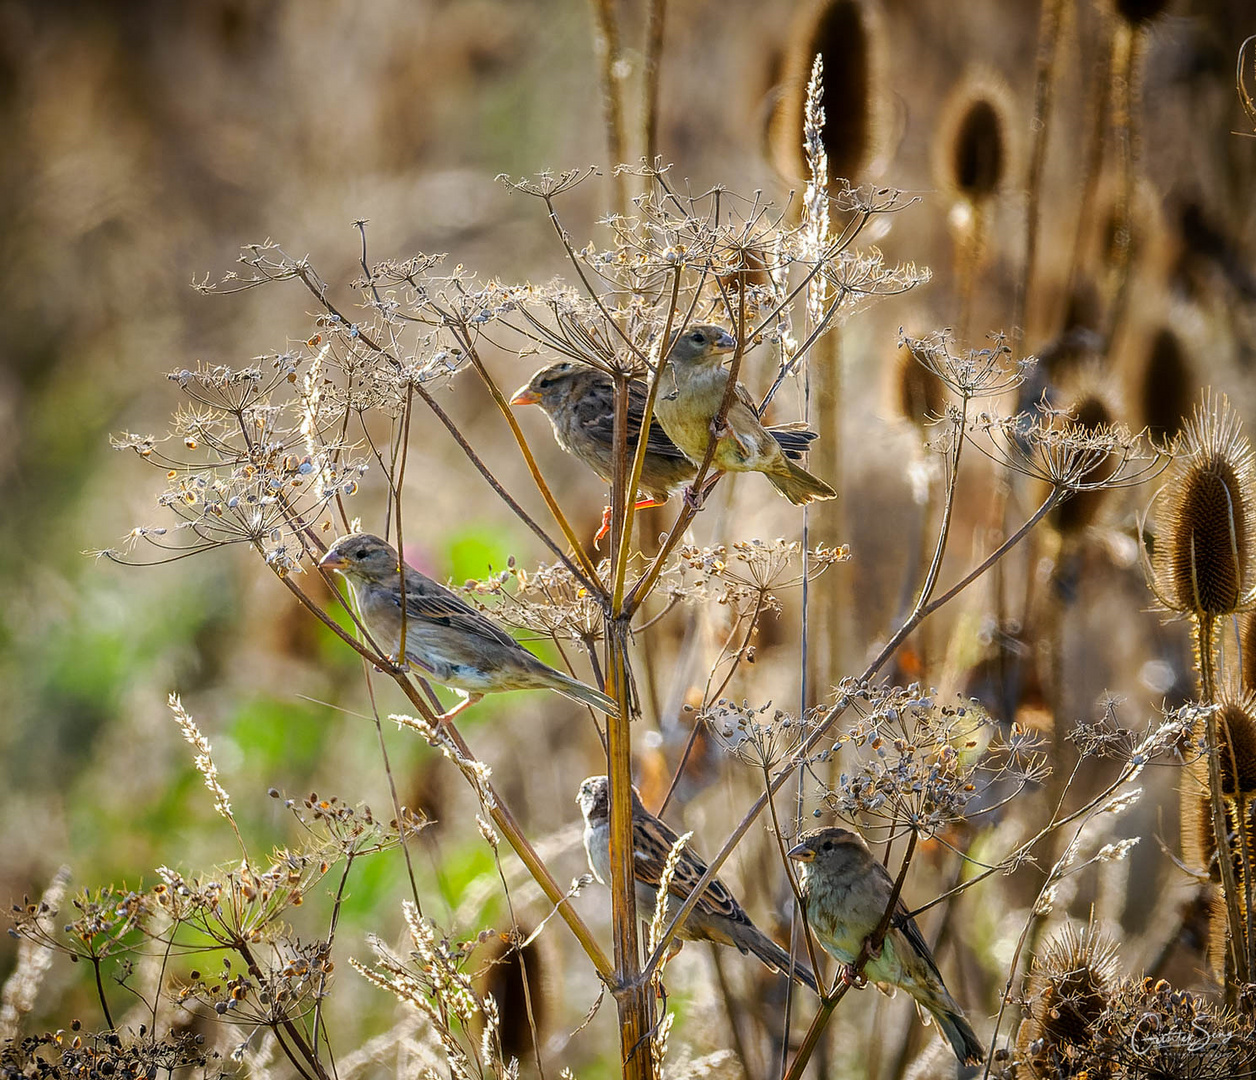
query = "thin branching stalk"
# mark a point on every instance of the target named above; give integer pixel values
(921, 612)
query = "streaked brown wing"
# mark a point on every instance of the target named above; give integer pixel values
(432, 602)
(653, 843)
(657, 441)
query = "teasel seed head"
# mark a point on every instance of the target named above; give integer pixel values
(1166, 386)
(1070, 987)
(1140, 12)
(848, 35)
(1236, 737)
(1205, 558)
(973, 150)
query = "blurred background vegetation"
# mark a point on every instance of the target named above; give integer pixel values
(146, 142)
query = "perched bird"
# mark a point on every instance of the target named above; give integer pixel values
(716, 917)
(846, 893)
(580, 403)
(446, 638)
(690, 394)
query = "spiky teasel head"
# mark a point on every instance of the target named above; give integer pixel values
(1139, 12)
(1165, 385)
(848, 35)
(1236, 743)
(1204, 564)
(974, 150)
(1069, 988)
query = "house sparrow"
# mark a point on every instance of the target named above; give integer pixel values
(448, 639)
(580, 403)
(716, 917)
(846, 892)
(690, 394)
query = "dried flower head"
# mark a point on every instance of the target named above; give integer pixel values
(975, 373)
(1204, 563)
(1070, 987)
(973, 150)
(917, 393)
(847, 35)
(1165, 386)
(1091, 412)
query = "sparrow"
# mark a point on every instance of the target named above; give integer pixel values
(446, 638)
(690, 394)
(580, 403)
(846, 891)
(716, 917)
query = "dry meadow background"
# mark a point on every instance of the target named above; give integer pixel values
(146, 143)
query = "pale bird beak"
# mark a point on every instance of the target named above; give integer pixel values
(725, 342)
(332, 561)
(525, 396)
(801, 853)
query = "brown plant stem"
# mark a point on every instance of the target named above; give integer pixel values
(1205, 647)
(606, 49)
(633, 994)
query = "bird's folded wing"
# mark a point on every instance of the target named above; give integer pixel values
(651, 855)
(904, 922)
(434, 603)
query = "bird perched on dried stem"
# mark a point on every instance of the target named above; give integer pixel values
(846, 892)
(446, 638)
(690, 395)
(716, 917)
(580, 403)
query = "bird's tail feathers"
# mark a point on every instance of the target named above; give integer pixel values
(794, 438)
(959, 1033)
(798, 485)
(778, 959)
(578, 691)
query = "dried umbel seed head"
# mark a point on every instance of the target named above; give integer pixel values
(1093, 413)
(1165, 386)
(847, 35)
(1070, 987)
(974, 150)
(916, 394)
(1205, 559)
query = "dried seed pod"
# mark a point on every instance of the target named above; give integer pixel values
(1070, 988)
(1140, 12)
(916, 393)
(1236, 737)
(1166, 386)
(848, 35)
(973, 150)
(1205, 559)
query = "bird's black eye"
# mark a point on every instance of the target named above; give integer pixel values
(361, 553)
(698, 337)
(827, 845)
